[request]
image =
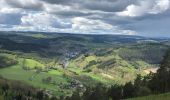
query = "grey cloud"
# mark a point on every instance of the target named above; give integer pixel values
(103, 5)
(71, 13)
(26, 4)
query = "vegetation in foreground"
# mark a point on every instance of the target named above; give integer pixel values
(165, 96)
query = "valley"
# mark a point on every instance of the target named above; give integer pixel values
(63, 63)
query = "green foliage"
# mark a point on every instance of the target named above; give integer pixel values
(116, 92)
(150, 53)
(31, 64)
(97, 93)
(129, 90)
(15, 89)
(7, 61)
(161, 80)
(165, 96)
(151, 84)
(1, 97)
(75, 96)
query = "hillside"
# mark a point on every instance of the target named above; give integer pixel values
(64, 63)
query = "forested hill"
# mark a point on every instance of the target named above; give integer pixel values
(155, 83)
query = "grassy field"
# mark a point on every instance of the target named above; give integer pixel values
(32, 63)
(37, 35)
(35, 79)
(165, 96)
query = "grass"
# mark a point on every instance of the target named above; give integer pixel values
(32, 63)
(30, 77)
(55, 72)
(83, 61)
(38, 36)
(1, 97)
(98, 78)
(90, 58)
(165, 96)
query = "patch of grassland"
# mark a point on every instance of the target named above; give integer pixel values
(38, 36)
(75, 69)
(90, 58)
(165, 96)
(83, 61)
(32, 63)
(99, 78)
(34, 79)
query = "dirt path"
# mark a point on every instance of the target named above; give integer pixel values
(153, 70)
(107, 76)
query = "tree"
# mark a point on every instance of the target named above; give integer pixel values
(100, 92)
(87, 93)
(24, 63)
(40, 95)
(75, 96)
(138, 81)
(116, 92)
(160, 82)
(128, 90)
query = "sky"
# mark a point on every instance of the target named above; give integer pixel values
(125, 17)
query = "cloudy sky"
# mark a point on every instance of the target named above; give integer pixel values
(127, 17)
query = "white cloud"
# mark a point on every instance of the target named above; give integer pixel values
(38, 19)
(55, 8)
(86, 26)
(161, 6)
(81, 23)
(9, 10)
(145, 7)
(43, 20)
(128, 32)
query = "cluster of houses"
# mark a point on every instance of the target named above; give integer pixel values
(67, 57)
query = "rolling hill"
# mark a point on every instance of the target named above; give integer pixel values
(63, 63)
